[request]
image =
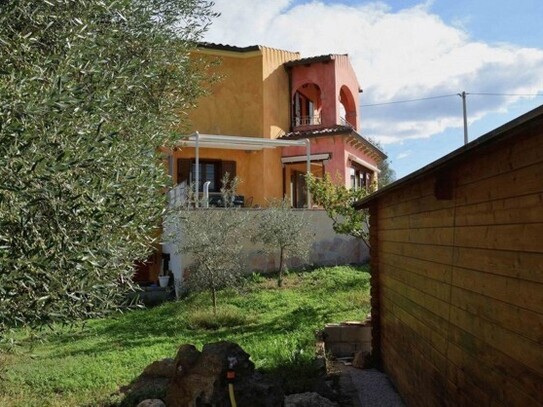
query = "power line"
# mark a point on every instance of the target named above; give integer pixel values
(506, 94)
(408, 100)
(450, 95)
(462, 95)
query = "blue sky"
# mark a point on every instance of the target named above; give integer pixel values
(409, 49)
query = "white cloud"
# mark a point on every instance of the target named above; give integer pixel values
(404, 154)
(400, 55)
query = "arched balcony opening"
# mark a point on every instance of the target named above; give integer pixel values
(306, 106)
(347, 109)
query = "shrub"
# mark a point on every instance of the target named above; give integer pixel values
(88, 91)
(226, 316)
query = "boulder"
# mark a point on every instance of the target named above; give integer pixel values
(151, 384)
(200, 379)
(151, 403)
(160, 368)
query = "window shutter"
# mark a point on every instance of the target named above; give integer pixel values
(183, 170)
(228, 167)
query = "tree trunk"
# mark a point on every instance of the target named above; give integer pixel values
(281, 261)
(214, 299)
(213, 289)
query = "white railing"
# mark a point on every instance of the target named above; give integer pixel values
(177, 196)
(307, 120)
(343, 121)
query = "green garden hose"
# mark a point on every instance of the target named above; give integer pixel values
(231, 392)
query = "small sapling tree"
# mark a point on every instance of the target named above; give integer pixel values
(283, 230)
(213, 237)
(337, 200)
(228, 189)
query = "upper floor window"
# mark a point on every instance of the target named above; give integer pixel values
(306, 106)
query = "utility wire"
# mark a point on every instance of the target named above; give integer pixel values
(505, 94)
(450, 95)
(409, 100)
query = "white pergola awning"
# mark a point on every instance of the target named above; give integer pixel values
(303, 158)
(198, 141)
(237, 142)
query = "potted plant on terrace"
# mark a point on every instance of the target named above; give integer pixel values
(165, 273)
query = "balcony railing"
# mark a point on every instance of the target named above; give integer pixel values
(306, 120)
(178, 196)
(343, 121)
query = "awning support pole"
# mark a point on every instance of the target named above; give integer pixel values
(308, 152)
(197, 170)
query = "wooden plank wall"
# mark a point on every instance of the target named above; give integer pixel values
(460, 281)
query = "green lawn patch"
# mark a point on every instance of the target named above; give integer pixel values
(86, 365)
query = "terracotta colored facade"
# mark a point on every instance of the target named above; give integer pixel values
(273, 94)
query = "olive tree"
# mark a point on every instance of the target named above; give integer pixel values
(337, 200)
(88, 91)
(387, 175)
(214, 238)
(284, 231)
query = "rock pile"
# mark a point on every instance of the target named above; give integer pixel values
(199, 379)
(309, 399)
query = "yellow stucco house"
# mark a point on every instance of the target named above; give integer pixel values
(299, 109)
(270, 118)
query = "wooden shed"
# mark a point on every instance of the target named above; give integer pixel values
(457, 273)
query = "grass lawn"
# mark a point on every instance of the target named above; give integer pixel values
(85, 365)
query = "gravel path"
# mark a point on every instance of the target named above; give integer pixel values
(373, 387)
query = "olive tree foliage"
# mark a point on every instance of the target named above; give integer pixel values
(284, 231)
(387, 174)
(88, 90)
(337, 200)
(228, 189)
(214, 239)
(193, 199)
